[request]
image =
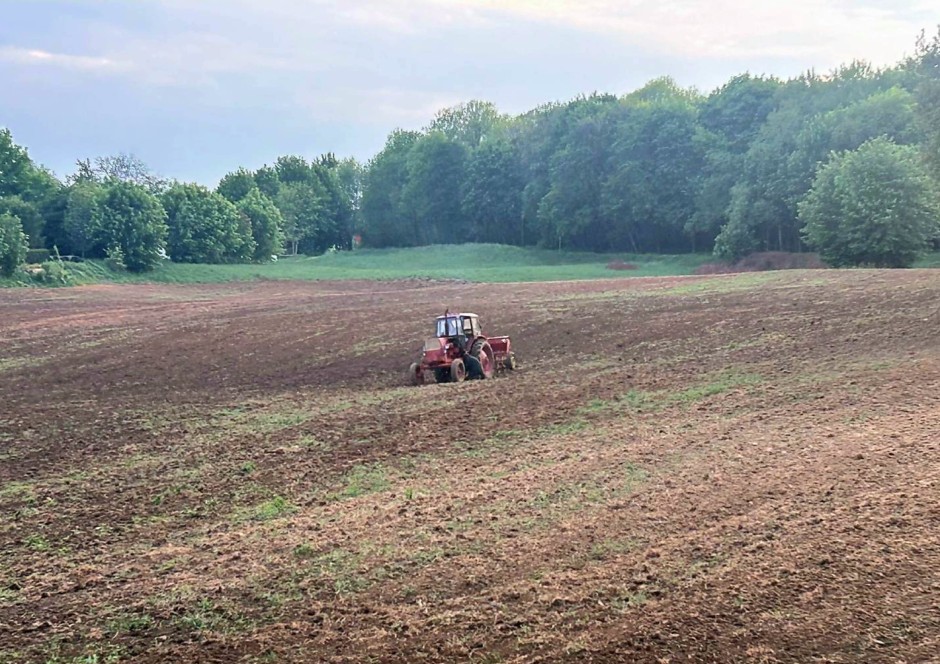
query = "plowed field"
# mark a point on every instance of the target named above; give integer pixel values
(697, 469)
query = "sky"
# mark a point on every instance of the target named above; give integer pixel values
(197, 88)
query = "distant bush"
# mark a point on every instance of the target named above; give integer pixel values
(766, 261)
(37, 255)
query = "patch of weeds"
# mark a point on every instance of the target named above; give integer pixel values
(342, 568)
(596, 406)
(489, 658)
(428, 556)
(208, 616)
(21, 490)
(639, 400)
(630, 601)
(37, 543)
(723, 383)
(167, 566)
(312, 443)
(634, 476)
(8, 595)
(575, 648)
(544, 500)
(363, 480)
(247, 468)
(347, 585)
(562, 429)
(608, 548)
(304, 551)
(270, 422)
(129, 623)
(409, 493)
(270, 509)
(107, 655)
(162, 497)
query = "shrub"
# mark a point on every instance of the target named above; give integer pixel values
(53, 273)
(13, 244)
(114, 259)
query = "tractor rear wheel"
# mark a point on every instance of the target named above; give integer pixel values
(482, 352)
(458, 371)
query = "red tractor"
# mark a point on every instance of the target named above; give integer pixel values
(460, 350)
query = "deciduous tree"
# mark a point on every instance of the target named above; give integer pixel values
(874, 206)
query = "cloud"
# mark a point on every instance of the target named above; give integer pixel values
(829, 31)
(26, 56)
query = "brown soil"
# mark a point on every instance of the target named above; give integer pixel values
(699, 469)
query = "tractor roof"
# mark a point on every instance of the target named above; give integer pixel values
(458, 316)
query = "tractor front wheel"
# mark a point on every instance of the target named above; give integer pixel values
(416, 374)
(510, 362)
(458, 371)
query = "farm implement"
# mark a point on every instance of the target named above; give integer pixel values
(459, 350)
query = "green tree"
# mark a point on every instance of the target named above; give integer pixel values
(492, 194)
(431, 196)
(15, 165)
(469, 124)
(266, 179)
(571, 212)
(13, 244)
(83, 217)
(29, 215)
(204, 227)
(385, 222)
(122, 167)
(659, 155)
(237, 185)
(875, 206)
(926, 66)
(350, 174)
(302, 209)
(266, 221)
(134, 222)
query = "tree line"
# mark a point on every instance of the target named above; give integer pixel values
(116, 208)
(747, 168)
(845, 163)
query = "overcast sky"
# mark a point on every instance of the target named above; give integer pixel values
(199, 87)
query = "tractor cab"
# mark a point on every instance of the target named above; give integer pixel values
(453, 326)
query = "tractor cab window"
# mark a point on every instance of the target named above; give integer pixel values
(448, 327)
